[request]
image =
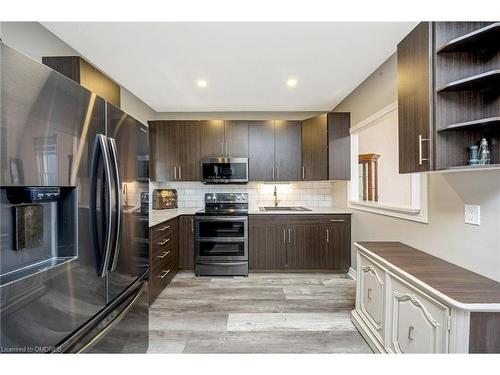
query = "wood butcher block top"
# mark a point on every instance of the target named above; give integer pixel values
(456, 282)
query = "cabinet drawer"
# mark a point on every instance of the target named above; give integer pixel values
(159, 279)
(372, 295)
(164, 244)
(163, 230)
(164, 258)
(419, 323)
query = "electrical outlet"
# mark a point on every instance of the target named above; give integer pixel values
(472, 214)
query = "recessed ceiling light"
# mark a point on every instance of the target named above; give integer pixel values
(291, 82)
(201, 83)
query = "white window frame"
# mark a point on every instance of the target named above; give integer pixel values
(418, 211)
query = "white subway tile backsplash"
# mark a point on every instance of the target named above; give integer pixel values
(312, 194)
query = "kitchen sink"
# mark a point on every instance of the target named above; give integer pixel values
(284, 208)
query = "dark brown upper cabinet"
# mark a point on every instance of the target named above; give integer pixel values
(315, 148)
(287, 150)
(415, 98)
(212, 138)
(85, 74)
(236, 138)
(339, 146)
(274, 150)
(261, 150)
(175, 150)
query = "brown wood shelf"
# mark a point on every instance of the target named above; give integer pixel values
(475, 83)
(484, 122)
(469, 167)
(485, 38)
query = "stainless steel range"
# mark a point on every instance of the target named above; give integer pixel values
(222, 235)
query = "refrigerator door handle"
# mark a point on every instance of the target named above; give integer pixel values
(115, 243)
(117, 319)
(73, 344)
(102, 259)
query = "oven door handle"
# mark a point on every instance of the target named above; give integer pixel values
(227, 264)
(222, 218)
(222, 239)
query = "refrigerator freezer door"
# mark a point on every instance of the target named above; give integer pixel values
(131, 148)
(48, 127)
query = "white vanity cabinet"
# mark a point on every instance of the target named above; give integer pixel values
(371, 291)
(403, 307)
(419, 323)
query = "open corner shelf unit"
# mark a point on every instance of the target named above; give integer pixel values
(482, 39)
(467, 95)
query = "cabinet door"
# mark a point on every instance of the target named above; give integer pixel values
(338, 255)
(339, 146)
(236, 138)
(189, 167)
(371, 287)
(414, 100)
(288, 150)
(261, 150)
(306, 247)
(315, 149)
(212, 138)
(164, 148)
(186, 242)
(419, 323)
(267, 243)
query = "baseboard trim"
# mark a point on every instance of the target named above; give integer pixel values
(363, 329)
(352, 273)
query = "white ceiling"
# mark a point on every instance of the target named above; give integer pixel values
(245, 65)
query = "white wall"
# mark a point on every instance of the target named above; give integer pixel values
(34, 40)
(446, 235)
(235, 115)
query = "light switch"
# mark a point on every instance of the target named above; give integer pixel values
(472, 214)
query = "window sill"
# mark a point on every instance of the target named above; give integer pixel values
(406, 213)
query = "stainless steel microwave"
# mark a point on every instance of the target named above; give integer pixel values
(224, 170)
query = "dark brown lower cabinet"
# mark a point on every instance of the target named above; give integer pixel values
(300, 242)
(267, 243)
(163, 256)
(186, 242)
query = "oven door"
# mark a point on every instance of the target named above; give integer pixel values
(225, 170)
(221, 238)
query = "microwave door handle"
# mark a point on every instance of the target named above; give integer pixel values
(118, 202)
(102, 258)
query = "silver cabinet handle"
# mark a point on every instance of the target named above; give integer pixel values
(303, 172)
(164, 274)
(276, 173)
(411, 329)
(175, 173)
(284, 235)
(273, 172)
(180, 177)
(165, 253)
(226, 149)
(164, 242)
(192, 225)
(327, 236)
(369, 295)
(163, 228)
(337, 220)
(289, 236)
(222, 148)
(420, 157)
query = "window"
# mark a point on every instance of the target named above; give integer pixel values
(376, 184)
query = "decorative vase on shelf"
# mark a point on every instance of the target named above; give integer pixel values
(473, 155)
(484, 153)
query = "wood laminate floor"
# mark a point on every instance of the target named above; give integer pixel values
(261, 313)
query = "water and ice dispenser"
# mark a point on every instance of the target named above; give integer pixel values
(38, 229)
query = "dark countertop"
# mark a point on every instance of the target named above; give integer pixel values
(456, 282)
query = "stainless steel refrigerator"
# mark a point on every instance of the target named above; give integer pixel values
(74, 247)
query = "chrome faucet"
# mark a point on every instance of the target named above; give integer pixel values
(276, 201)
